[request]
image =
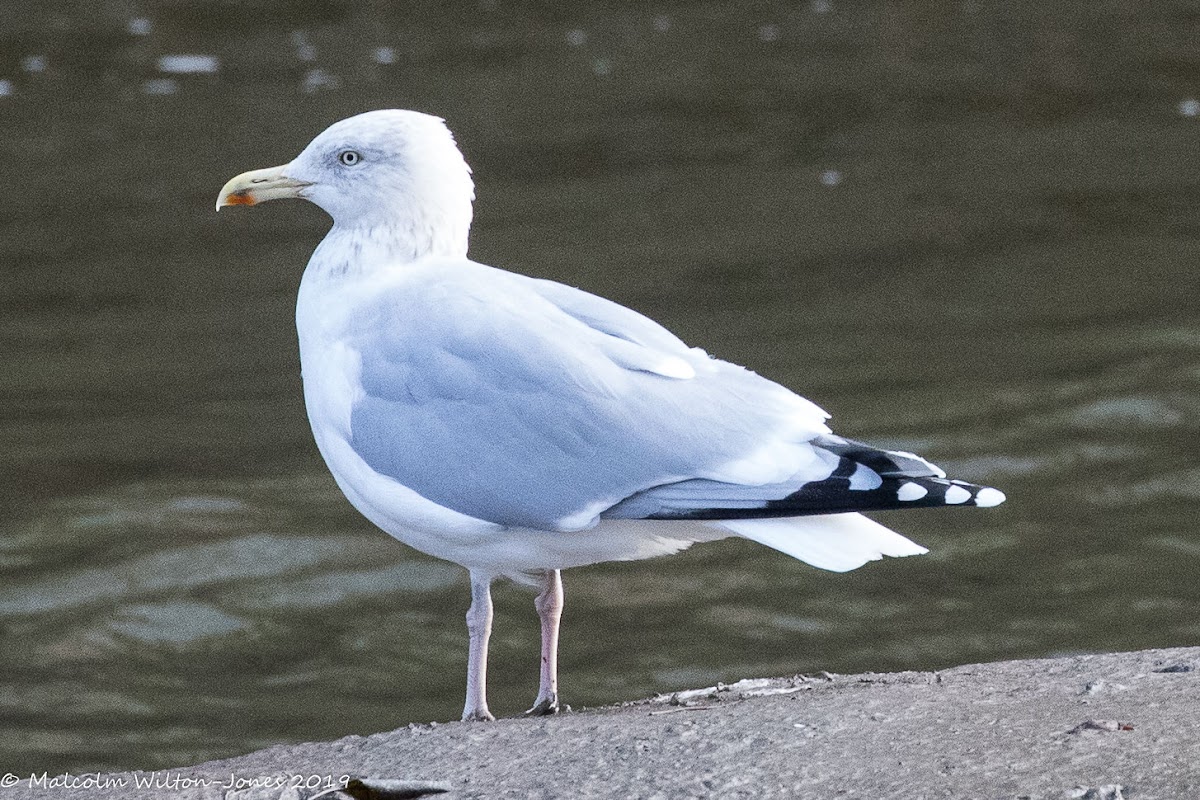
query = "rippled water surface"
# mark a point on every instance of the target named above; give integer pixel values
(969, 229)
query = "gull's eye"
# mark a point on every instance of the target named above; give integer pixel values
(349, 157)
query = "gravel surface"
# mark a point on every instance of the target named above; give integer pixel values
(1095, 726)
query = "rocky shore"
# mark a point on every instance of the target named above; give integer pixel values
(1090, 726)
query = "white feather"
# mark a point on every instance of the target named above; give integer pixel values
(836, 542)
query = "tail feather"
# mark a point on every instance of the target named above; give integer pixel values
(835, 542)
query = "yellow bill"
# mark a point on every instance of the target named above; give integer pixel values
(259, 186)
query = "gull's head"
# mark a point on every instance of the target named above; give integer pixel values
(391, 174)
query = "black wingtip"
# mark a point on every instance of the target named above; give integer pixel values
(834, 496)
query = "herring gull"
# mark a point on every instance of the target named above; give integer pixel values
(519, 426)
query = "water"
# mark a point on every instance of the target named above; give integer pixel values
(968, 230)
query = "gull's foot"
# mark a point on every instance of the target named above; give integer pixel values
(478, 715)
(544, 707)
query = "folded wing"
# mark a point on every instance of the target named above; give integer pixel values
(532, 404)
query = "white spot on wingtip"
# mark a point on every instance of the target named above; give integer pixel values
(956, 495)
(865, 479)
(988, 497)
(911, 491)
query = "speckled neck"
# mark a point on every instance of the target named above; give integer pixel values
(347, 252)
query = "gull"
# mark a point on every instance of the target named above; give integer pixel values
(519, 427)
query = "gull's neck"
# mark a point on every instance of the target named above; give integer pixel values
(354, 251)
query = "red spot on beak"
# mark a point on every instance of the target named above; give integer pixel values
(240, 199)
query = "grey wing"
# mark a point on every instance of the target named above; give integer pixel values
(499, 398)
(608, 317)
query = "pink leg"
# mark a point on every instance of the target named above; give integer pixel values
(479, 626)
(549, 604)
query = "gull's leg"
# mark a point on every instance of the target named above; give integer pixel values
(479, 626)
(549, 604)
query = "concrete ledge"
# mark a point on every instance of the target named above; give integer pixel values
(1072, 727)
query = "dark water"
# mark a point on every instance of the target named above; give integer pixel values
(969, 229)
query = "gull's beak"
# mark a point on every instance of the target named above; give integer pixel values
(259, 186)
